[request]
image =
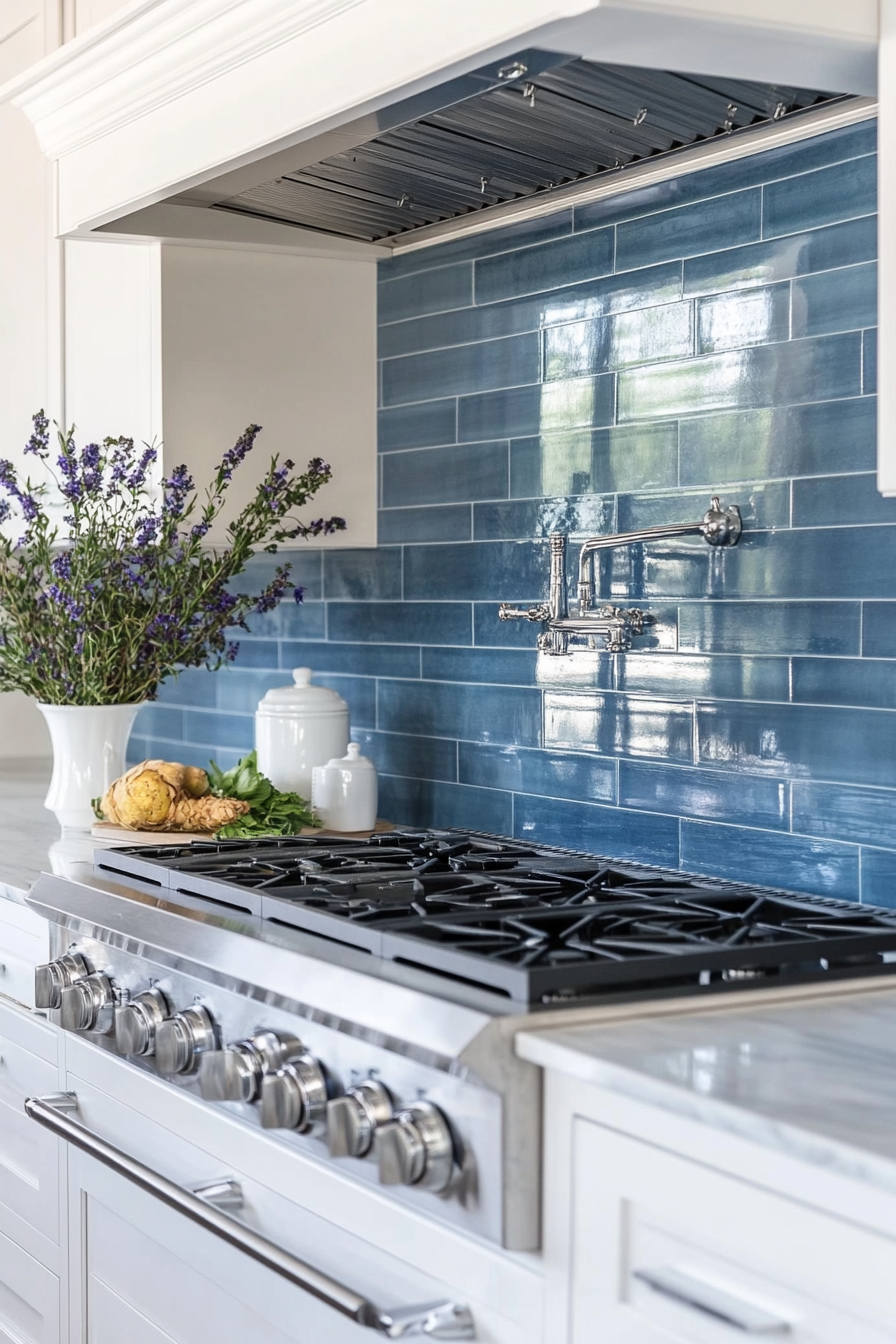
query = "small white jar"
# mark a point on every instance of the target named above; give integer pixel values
(296, 728)
(344, 792)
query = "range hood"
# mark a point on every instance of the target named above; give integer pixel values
(516, 130)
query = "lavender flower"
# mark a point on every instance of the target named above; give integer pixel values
(126, 593)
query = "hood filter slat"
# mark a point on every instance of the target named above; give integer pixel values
(570, 121)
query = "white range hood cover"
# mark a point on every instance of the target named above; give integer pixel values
(167, 95)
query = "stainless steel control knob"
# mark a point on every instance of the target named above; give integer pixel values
(136, 1022)
(353, 1119)
(182, 1040)
(50, 980)
(295, 1097)
(236, 1073)
(88, 1004)
(416, 1148)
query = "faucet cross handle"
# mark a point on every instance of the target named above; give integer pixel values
(540, 612)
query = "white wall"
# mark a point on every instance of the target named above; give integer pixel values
(27, 276)
(287, 342)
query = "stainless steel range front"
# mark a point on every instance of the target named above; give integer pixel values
(359, 999)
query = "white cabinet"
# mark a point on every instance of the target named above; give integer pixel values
(24, 944)
(29, 1156)
(29, 1298)
(666, 1249)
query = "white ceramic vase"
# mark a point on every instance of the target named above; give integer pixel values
(89, 744)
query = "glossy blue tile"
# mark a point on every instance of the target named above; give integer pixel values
(207, 731)
(688, 230)
(757, 316)
(814, 440)
(822, 501)
(767, 166)
(240, 691)
(424, 802)
(505, 571)
(789, 861)
(612, 831)
(511, 667)
(528, 270)
(816, 562)
(797, 371)
(445, 522)
(380, 660)
(401, 622)
(419, 426)
(844, 244)
(824, 196)
(627, 457)
(879, 629)
(843, 300)
(864, 816)
(761, 505)
(552, 774)
(707, 795)
(580, 515)
(619, 725)
(723, 675)
(855, 746)
(368, 575)
(425, 292)
(155, 720)
(869, 362)
(440, 475)
(258, 653)
(771, 627)
(868, 683)
(500, 415)
(304, 571)
(879, 877)
(510, 362)
(504, 714)
(193, 686)
(640, 337)
(495, 240)
(413, 757)
(291, 621)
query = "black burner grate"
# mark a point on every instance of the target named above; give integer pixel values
(533, 922)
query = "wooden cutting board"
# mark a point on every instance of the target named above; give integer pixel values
(118, 835)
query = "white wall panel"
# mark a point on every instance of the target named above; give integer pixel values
(285, 342)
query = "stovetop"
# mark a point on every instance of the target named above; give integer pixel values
(535, 923)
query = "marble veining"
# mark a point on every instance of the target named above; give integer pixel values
(814, 1078)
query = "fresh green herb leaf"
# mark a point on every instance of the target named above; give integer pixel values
(272, 812)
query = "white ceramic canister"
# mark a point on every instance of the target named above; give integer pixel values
(296, 728)
(344, 792)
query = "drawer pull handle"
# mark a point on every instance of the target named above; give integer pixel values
(432, 1320)
(706, 1297)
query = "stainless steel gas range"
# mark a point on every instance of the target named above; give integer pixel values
(359, 998)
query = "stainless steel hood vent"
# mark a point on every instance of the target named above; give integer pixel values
(537, 122)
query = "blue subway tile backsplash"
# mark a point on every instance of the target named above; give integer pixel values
(600, 369)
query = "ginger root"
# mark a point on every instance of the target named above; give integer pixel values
(167, 796)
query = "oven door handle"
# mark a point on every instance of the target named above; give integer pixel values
(432, 1320)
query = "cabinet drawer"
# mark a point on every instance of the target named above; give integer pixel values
(668, 1250)
(29, 1156)
(17, 978)
(29, 1298)
(309, 1207)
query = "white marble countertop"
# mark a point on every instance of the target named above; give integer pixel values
(29, 834)
(814, 1078)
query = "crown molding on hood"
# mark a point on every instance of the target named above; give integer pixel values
(167, 95)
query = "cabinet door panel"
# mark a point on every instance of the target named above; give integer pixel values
(29, 1162)
(188, 1285)
(29, 1298)
(668, 1250)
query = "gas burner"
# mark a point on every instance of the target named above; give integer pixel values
(531, 922)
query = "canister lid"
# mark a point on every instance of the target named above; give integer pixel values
(353, 760)
(302, 698)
